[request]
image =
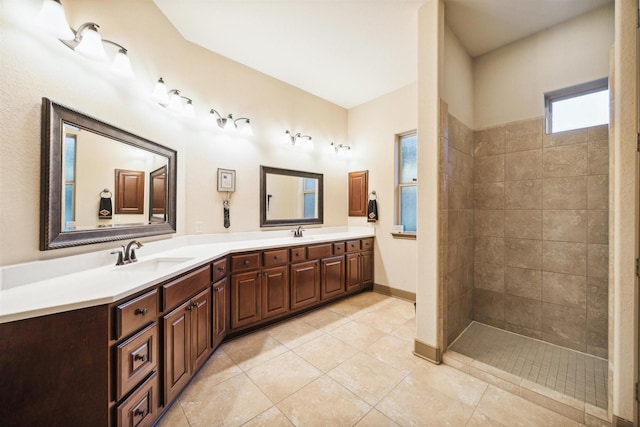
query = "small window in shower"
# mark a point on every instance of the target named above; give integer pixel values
(578, 107)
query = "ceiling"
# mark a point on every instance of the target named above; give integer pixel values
(351, 51)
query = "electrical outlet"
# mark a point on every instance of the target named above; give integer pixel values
(199, 226)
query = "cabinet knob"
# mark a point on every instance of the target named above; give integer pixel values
(276, 257)
(141, 312)
(221, 269)
(141, 357)
(246, 262)
(297, 253)
(140, 412)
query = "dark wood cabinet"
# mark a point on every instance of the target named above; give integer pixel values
(129, 192)
(221, 319)
(332, 277)
(275, 291)
(359, 266)
(245, 299)
(353, 274)
(358, 196)
(187, 342)
(305, 284)
(366, 263)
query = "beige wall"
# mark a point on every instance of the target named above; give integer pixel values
(458, 77)
(509, 83)
(35, 65)
(372, 133)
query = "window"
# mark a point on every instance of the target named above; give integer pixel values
(407, 179)
(578, 107)
(309, 196)
(69, 180)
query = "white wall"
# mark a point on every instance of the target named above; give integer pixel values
(35, 65)
(373, 127)
(510, 82)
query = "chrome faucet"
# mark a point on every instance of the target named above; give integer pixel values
(127, 254)
(297, 232)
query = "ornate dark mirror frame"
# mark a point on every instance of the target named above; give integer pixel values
(51, 235)
(264, 222)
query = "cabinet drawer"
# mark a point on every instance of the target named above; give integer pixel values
(339, 248)
(319, 251)
(275, 257)
(366, 244)
(141, 408)
(136, 313)
(245, 262)
(298, 254)
(219, 269)
(178, 291)
(353, 245)
(136, 358)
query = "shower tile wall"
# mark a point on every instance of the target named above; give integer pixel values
(456, 224)
(541, 233)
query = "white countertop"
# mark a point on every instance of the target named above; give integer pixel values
(53, 286)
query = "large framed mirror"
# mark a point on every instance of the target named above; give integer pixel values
(290, 197)
(85, 196)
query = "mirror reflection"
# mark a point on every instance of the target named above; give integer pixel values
(101, 183)
(93, 174)
(290, 197)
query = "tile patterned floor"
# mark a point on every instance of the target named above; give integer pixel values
(347, 364)
(575, 374)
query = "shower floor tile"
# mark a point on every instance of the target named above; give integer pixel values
(574, 374)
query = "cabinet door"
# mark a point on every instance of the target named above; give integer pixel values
(275, 291)
(176, 351)
(200, 328)
(358, 197)
(353, 271)
(305, 284)
(366, 265)
(245, 299)
(332, 278)
(220, 311)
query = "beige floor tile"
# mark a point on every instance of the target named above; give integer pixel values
(382, 320)
(174, 417)
(272, 417)
(283, 375)
(451, 382)
(395, 352)
(367, 377)
(251, 350)
(324, 402)
(325, 319)
(413, 403)
(357, 335)
(325, 352)
(349, 308)
(294, 333)
(512, 410)
(406, 331)
(230, 403)
(375, 419)
(218, 368)
(398, 308)
(481, 420)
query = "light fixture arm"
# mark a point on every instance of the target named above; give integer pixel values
(71, 44)
(118, 45)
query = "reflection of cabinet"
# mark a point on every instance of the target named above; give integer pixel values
(129, 192)
(187, 341)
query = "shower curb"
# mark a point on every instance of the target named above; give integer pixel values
(555, 401)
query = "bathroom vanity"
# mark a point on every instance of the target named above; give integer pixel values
(122, 363)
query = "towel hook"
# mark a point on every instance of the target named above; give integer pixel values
(375, 196)
(106, 190)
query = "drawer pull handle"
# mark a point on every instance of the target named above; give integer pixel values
(246, 262)
(141, 312)
(221, 269)
(276, 257)
(140, 413)
(297, 253)
(141, 357)
(219, 289)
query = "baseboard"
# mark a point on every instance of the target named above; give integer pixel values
(393, 292)
(427, 352)
(621, 422)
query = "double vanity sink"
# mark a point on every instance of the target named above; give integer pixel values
(137, 333)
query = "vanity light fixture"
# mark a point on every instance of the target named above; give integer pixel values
(338, 147)
(297, 138)
(226, 123)
(245, 125)
(173, 100)
(85, 40)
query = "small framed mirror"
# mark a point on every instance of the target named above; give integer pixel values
(290, 197)
(82, 184)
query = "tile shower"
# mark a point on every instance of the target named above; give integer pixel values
(524, 231)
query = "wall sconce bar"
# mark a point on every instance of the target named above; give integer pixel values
(338, 147)
(298, 137)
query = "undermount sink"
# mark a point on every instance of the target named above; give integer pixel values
(151, 265)
(303, 238)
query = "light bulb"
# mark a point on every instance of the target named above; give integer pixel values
(90, 43)
(229, 125)
(175, 101)
(160, 92)
(189, 111)
(122, 65)
(53, 20)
